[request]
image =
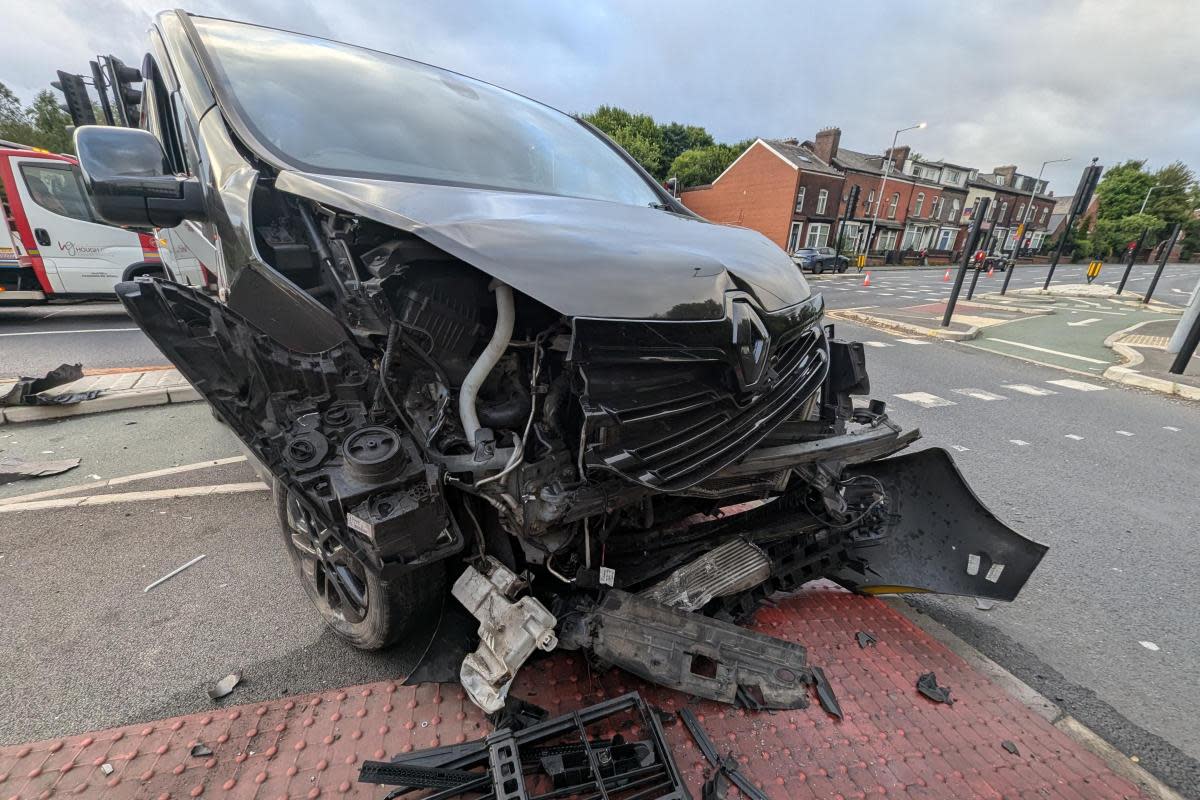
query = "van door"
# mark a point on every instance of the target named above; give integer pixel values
(88, 256)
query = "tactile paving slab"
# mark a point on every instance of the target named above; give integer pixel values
(893, 741)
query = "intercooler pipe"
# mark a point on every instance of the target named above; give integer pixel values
(501, 336)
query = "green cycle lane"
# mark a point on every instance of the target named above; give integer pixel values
(1072, 337)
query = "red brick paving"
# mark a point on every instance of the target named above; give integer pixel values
(893, 742)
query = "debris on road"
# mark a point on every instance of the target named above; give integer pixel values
(175, 572)
(727, 765)
(106, 768)
(825, 695)
(27, 391)
(927, 685)
(1151, 646)
(201, 750)
(984, 605)
(225, 685)
(17, 469)
(865, 639)
(569, 754)
(1010, 747)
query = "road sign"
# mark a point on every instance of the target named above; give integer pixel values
(1094, 270)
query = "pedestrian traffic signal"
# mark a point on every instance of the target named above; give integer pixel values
(79, 106)
(129, 99)
(852, 202)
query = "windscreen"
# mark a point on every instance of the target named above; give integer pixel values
(332, 108)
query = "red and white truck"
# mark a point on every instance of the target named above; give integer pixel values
(54, 247)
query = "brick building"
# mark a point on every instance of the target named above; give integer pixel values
(777, 187)
(1015, 201)
(796, 194)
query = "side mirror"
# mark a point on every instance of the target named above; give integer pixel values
(126, 174)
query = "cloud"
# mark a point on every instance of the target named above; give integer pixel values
(1015, 82)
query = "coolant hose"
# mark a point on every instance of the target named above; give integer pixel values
(501, 336)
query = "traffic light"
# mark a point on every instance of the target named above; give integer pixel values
(79, 106)
(129, 99)
(852, 203)
(98, 82)
(1087, 187)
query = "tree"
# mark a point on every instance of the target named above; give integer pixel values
(1122, 189)
(638, 134)
(42, 124)
(1175, 197)
(15, 125)
(677, 138)
(1112, 235)
(51, 123)
(703, 164)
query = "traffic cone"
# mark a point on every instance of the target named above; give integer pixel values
(946, 277)
(991, 271)
(867, 280)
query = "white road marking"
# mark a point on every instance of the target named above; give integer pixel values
(1025, 388)
(1125, 433)
(1019, 442)
(980, 394)
(1083, 322)
(1048, 350)
(887, 294)
(1149, 646)
(136, 497)
(926, 400)
(1079, 386)
(1075, 437)
(141, 476)
(913, 341)
(959, 448)
(1170, 428)
(82, 330)
(878, 344)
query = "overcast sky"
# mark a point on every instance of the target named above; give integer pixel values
(1019, 81)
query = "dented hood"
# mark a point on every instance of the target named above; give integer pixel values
(580, 257)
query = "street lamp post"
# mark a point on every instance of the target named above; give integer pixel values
(1146, 199)
(1025, 223)
(887, 171)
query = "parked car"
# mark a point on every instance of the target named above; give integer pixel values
(820, 259)
(474, 342)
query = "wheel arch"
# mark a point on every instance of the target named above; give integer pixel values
(142, 268)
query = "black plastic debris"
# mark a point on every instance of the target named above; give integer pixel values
(1011, 747)
(716, 786)
(727, 765)
(27, 391)
(517, 715)
(201, 750)
(225, 685)
(865, 639)
(567, 756)
(16, 469)
(927, 685)
(825, 695)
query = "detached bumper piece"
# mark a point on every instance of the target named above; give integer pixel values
(697, 655)
(936, 535)
(567, 756)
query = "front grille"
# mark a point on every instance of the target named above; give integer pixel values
(662, 400)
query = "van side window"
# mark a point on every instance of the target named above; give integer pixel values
(57, 188)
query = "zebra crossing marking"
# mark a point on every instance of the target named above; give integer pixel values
(1079, 386)
(1025, 388)
(926, 400)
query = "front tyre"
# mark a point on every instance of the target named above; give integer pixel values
(360, 606)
